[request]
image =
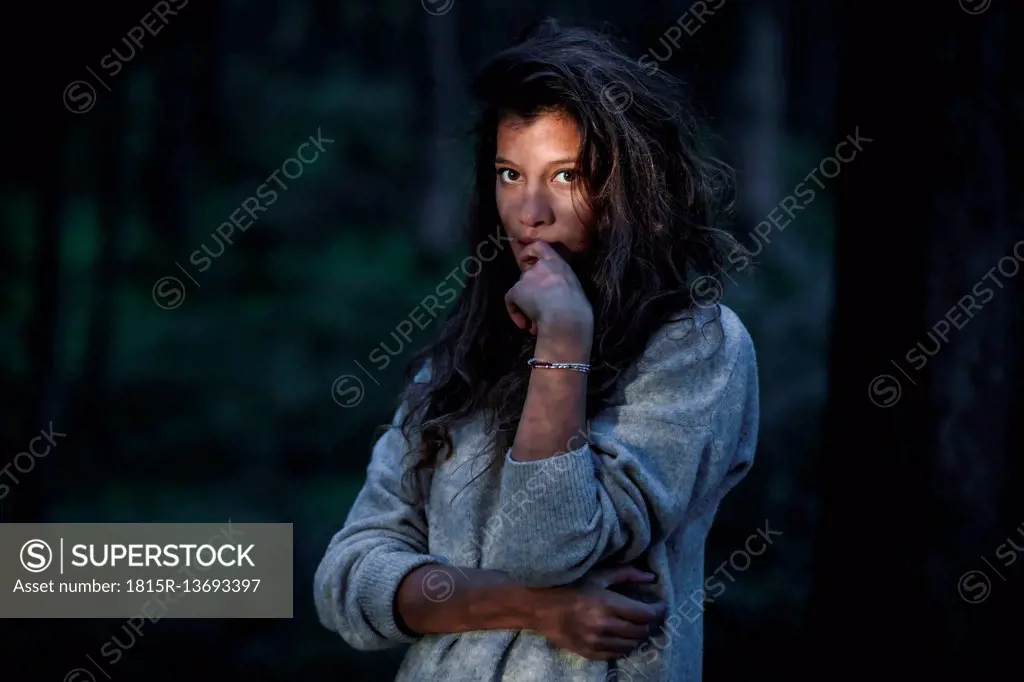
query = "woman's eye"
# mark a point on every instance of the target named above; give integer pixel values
(508, 175)
(567, 176)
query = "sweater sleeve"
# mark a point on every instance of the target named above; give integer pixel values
(678, 437)
(384, 538)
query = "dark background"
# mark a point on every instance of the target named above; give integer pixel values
(223, 404)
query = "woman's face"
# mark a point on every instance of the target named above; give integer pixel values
(534, 188)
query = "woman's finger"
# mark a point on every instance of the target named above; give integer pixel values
(616, 646)
(520, 320)
(634, 611)
(540, 250)
(605, 577)
(626, 630)
(518, 317)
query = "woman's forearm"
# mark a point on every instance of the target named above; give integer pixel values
(439, 599)
(554, 413)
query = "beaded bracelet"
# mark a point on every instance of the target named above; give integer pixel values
(544, 364)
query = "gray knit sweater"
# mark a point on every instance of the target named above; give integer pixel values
(645, 485)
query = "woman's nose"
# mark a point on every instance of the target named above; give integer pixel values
(536, 211)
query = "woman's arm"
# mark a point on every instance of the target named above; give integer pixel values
(554, 413)
(549, 300)
(589, 618)
(681, 435)
(437, 599)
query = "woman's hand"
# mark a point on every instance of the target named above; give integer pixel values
(548, 296)
(591, 620)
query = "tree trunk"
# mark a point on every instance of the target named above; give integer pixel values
(760, 89)
(441, 210)
(920, 473)
(814, 68)
(26, 500)
(171, 163)
(212, 59)
(112, 195)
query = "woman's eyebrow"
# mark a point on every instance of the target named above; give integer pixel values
(556, 162)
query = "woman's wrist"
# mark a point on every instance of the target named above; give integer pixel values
(565, 339)
(516, 608)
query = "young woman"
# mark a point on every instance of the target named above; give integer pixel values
(539, 507)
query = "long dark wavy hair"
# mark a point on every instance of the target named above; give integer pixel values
(657, 203)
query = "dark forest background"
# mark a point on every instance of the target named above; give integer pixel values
(896, 487)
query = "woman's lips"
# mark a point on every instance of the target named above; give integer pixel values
(559, 248)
